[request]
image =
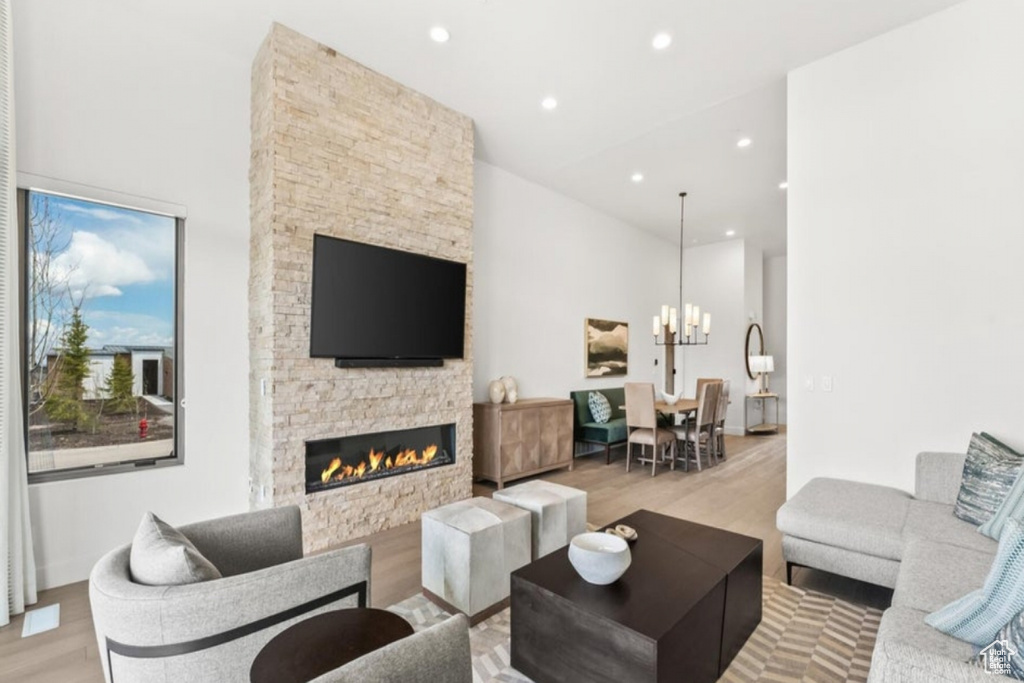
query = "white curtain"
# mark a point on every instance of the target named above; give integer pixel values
(17, 561)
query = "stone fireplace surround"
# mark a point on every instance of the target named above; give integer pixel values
(340, 150)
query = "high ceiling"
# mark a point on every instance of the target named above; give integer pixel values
(673, 115)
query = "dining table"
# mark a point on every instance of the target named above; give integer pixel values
(683, 406)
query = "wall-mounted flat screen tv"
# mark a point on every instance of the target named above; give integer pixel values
(374, 303)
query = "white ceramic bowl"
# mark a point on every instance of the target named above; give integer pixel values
(599, 558)
(671, 399)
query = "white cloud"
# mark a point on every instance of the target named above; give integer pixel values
(101, 213)
(153, 242)
(131, 336)
(111, 327)
(96, 267)
(103, 290)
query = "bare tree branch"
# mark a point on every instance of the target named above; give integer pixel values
(49, 292)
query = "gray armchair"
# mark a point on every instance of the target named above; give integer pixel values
(439, 654)
(212, 631)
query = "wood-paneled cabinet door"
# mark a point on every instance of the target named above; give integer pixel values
(531, 421)
(550, 432)
(513, 451)
(565, 440)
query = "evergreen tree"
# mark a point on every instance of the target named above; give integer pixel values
(65, 404)
(120, 386)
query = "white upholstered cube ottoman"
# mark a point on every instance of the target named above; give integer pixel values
(557, 512)
(469, 550)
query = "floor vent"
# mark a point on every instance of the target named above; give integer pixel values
(40, 620)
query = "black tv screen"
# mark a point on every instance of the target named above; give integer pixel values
(370, 302)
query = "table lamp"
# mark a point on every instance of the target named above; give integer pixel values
(763, 366)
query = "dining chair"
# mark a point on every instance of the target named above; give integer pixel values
(700, 431)
(720, 413)
(701, 381)
(642, 423)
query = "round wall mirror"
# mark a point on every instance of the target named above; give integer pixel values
(759, 349)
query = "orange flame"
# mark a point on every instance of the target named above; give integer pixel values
(325, 476)
(377, 462)
(375, 459)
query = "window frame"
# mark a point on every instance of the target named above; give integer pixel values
(28, 183)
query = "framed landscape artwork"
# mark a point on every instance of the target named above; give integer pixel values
(606, 347)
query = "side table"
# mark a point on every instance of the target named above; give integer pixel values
(322, 643)
(765, 427)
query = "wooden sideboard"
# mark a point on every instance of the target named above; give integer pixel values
(514, 440)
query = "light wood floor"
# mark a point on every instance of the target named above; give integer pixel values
(741, 495)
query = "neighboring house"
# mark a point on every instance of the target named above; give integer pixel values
(153, 367)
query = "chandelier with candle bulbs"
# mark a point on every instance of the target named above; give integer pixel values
(692, 326)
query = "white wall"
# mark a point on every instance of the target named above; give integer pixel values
(775, 327)
(753, 282)
(715, 277)
(905, 169)
(542, 264)
(109, 97)
(94, 384)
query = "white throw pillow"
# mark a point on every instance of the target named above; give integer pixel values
(162, 556)
(600, 409)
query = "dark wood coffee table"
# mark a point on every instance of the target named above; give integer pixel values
(682, 610)
(324, 642)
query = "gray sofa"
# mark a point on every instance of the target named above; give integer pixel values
(911, 543)
(212, 631)
(439, 654)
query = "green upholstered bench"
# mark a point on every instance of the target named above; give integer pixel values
(607, 434)
(604, 434)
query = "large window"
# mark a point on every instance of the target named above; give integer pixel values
(101, 350)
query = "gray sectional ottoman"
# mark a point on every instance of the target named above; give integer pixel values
(469, 550)
(911, 543)
(557, 512)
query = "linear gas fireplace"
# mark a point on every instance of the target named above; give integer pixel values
(366, 457)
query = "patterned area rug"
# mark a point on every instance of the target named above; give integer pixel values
(803, 637)
(806, 636)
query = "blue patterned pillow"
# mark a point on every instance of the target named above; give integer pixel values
(989, 474)
(1009, 643)
(600, 409)
(978, 616)
(1012, 506)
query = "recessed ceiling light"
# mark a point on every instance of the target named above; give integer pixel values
(783, 185)
(549, 103)
(637, 177)
(730, 233)
(661, 41)
(439, 34)
(744, 142)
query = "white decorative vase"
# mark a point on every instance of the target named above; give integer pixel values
(497, 391)
(510, 385)
(671, 399)
(599, 558)
(511, 395)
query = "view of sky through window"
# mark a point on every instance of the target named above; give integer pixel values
(118, 265)
(100, 346)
